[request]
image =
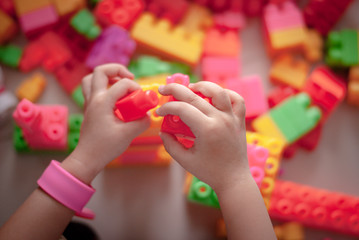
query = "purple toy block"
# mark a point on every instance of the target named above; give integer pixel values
(114, 45)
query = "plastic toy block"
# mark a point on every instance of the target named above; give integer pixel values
(78, 96)
(253, 8)
(197, 18)
(257, 158)
(325, 89)
(353, 86)
(251, 89)
(178, 78)
(343, 48)
(75, 121)
(37, 20)
(113, 46)
(316, 208)
(8, 7)
(229, 42)
(221, 5)
(278, 94)
(10, 55)
(290, 71)
(72, 140)
(313, 46)
(265, 125)
(168, 41)
(31, 88)
(220, 69)
(8, 27)
(118, 12)
(311, 140)
(67, 7)
(19, 142)
(324, 14)
(23, 6)
(294, 118)
(44, 127)
(136, 105)
(84, 23)
(289, 231)
(172, 11)
(153, 155)
(229, 20)
(200, 192)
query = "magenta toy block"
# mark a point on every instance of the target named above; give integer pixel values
(38, 20)
(229, 20)
(44, 127)
(135, 105)
(251, 89)
(219, 69)
(178, 78)
(257, 157)
(288, 15)
(315, 208)
(113, 46)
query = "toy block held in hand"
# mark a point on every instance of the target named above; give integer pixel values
(85, 24)
(31, 88)
(220, 69)
(290, 71)
(251, 89)
(44, 127)
(8, 27)
(316, 208)
(343, 48)
(353, 86)
(136, 105)
(229, 42)
(118, 12)
(173, 42)
(172, 11)
(113, 46)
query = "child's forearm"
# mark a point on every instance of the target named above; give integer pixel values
(244, 211)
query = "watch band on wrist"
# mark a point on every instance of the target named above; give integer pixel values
(66, 189)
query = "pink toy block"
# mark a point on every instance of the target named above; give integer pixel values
(44, 127)
(257, 157)
(113, 46)
(219, 69)
(38, 20)
(251, 89)
(288, 15)
(178, 78)
(315, 207)
(229, 20)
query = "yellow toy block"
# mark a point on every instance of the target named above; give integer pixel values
(313, 46)
(31, 88)
(353, 86)
(291, 71)
(287, 40)
(197, 18)
(171, 42)
(25, 6)
(65, 7)
(266, 126)
(7, 27)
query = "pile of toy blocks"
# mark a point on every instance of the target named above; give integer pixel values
(200, 39)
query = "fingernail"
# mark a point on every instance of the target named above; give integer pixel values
(161, 87)
(190, 85)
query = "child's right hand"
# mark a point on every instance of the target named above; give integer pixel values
(219, 154)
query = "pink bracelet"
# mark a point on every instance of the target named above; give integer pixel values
(66, 189)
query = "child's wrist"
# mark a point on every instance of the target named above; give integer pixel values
(241, 181)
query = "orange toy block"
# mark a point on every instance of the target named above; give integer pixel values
(228, 42)
(31, 88)
(166, 40)
(25, 6)
(7, 27)
(290, 71)
(290, 40)
(353, 86)
(197, 18)
(313, 46)
(65, 7)
(289, 231)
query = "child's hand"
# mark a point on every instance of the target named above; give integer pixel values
(103, 136)
(219, 154)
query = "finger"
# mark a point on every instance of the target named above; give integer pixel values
(86, 87)
(189, 114)
(219, 96)
(121, 89)
(135, 128)
(102, 75)
(238, 104)
(177, 151)
(183, 93)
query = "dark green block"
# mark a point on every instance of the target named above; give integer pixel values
(10, 55)
(202, 193)
(72, 140)
(19, 142)
(75, 121)
(78, 97)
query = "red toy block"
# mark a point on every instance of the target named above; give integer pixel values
(44, 127)
(228, 40)
(136, 105)
(229, 20)
(315, 208)
(311, 140)
(280, 93)
(8, 7)
(253, 8)
(220, 69)
(118, 12)
(221, 5)
(170, 10)
(325, 89)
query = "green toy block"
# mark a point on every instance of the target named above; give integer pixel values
(202, 193)
(19, 142)
(146, 66)
(179, 68)
(84, 23)
(72, 140)
(294, 117)
(343, 49)
(10, 55)
(78, 97)
(75, 121)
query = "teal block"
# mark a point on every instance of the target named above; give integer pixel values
(202, 193)
(78, 97)
(294, 117)
(10, 55)
(19, 142)
(75, 122)
(72, 140)
(343, 49)
(84, 23)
